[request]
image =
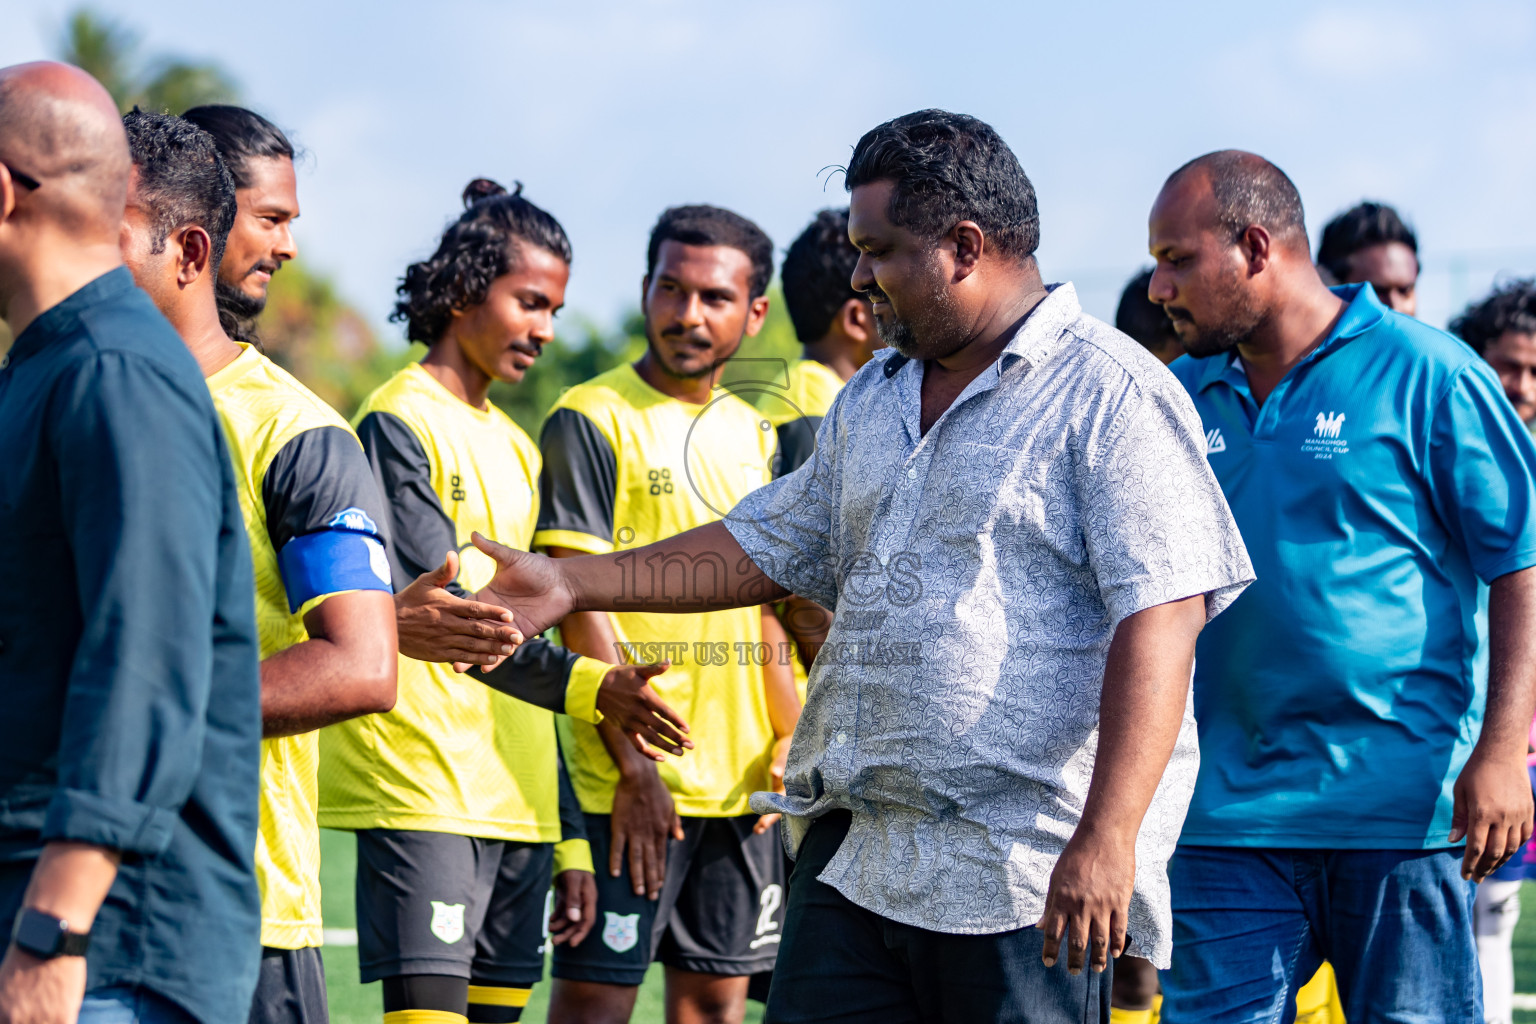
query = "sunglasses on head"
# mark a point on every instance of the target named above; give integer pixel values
(24, 180)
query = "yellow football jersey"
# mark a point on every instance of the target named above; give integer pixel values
(625, 465)
(796, 412)
(812, 388)
(311, 510)
(456, 755)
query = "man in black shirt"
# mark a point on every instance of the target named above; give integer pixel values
(130, 740)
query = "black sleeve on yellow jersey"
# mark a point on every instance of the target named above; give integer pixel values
(315, 476)
(421, 530)
(572, 824)
(797, 439)
(537, 672)
(580, 480)
(325, 518)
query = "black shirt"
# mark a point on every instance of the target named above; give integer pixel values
(128, 656)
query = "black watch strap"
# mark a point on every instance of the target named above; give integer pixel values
(46, 936)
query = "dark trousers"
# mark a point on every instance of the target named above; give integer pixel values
(840, 962)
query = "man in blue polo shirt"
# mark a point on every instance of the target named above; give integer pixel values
(1351, 731)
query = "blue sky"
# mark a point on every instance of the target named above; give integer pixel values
(610, 111)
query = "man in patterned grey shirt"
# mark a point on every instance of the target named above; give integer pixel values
(1016, 526)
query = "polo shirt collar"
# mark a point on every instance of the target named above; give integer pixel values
(1362, 312)
(60, 318)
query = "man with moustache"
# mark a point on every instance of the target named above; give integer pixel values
(1352, 737)
(260, 158)
(636, 454)
(1014, 523)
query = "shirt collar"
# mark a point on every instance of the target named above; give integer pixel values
(56, 321)
(1362, 312)
(1040, 335)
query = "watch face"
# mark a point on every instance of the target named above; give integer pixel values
(39, 933)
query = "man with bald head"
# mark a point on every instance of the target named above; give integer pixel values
(130, 741)
(1353, 739)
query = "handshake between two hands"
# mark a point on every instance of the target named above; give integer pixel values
(525, 597)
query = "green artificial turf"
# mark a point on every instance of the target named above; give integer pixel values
(1525, 951)
(355, 1003)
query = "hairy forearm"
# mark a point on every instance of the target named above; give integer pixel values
(702, 569)
(1146, 687)
(70, 881)
(1511, 664)
(347, 670)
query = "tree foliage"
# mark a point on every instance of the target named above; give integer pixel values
(109, 50)
(310, 331)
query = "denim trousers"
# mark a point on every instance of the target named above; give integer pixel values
(130, 1004)
(1251, 926)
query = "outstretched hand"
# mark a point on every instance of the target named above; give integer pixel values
(627, 700)
(434, 625)
(527, 585)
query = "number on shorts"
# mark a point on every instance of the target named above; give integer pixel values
(770, 900)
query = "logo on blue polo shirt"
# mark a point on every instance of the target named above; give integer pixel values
(354, 519)
(1329, 424)
(1325, 441)
(1214, 442)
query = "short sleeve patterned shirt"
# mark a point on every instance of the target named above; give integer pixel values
(977, 574)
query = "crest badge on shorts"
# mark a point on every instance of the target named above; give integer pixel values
(448, 921)
(620, 931)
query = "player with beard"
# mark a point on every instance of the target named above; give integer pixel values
(325, 616)
(260, 157)
(636, 454)
(315, 519)
(1351, 739)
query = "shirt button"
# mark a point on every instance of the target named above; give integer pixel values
(842, 738)
(912, 473)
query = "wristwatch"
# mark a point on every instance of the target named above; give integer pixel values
(46, 936)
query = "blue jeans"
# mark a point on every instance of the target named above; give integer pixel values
(1251, 926)
(129, 1004)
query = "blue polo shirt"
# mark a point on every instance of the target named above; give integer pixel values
(1379, 485)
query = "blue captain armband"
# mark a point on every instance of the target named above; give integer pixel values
(334, 560)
